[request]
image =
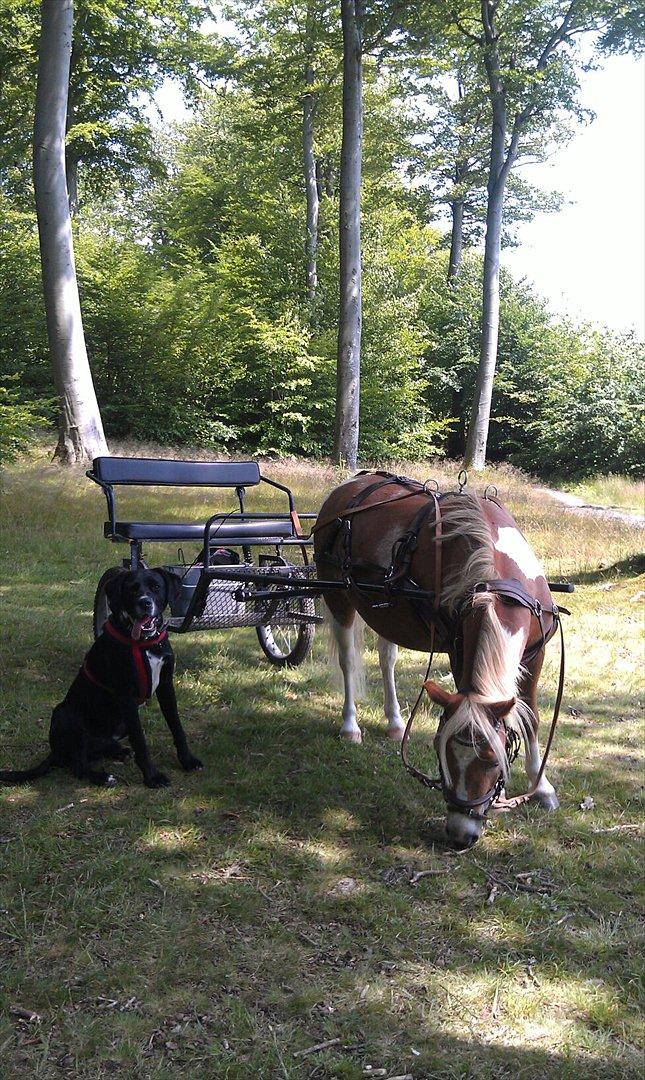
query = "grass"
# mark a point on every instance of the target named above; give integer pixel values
(260, 907)
(620, 492)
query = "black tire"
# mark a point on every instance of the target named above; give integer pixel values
(101, 611)
(286, 646)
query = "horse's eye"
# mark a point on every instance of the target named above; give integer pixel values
(489, 763)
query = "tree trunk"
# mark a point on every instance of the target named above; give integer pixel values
(345, 449)
(456, 238)
(500, 163)
(311, 185)
(71, 174)
(80, 428)
(475, 455)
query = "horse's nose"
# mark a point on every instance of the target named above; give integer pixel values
(462, 831)
(462, 843)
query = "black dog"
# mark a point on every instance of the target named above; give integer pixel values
(129, 662)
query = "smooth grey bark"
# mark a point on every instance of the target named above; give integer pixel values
(345, 449)
(501, 162)
(456, 238)
(81, 434)
(311, 184)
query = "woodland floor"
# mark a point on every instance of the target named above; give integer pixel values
(224, 927)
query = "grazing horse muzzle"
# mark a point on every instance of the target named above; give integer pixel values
(472, 769)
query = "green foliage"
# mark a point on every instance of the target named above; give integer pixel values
(193, 288)
(121, 53)
(18, 419)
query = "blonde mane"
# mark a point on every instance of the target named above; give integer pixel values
(496, 670)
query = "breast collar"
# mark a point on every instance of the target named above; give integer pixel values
(141, 662)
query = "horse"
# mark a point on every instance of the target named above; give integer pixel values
(454, 575)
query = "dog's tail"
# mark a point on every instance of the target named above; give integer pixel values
(21, 776)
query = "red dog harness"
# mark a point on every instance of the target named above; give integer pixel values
(140, 660)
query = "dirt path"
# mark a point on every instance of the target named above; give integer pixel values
(579, 506)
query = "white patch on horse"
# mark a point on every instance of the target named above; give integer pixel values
(516, 643)
(155, 671)
(511, 542)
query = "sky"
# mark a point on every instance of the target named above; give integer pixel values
(587, 260)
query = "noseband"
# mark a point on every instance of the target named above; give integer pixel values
(469, 807)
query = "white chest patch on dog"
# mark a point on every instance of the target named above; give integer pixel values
(155, 671)
(511, 542)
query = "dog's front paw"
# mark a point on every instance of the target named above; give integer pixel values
(157, 779)
(191, 762)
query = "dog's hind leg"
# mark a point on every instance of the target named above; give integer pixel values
(113, 750)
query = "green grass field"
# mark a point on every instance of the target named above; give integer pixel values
(264, 905)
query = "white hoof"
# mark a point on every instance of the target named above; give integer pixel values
(395, 732)
(353, 735)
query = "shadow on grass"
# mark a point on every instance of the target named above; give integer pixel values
(630, 567)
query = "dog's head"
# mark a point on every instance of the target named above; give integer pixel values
(137, 598)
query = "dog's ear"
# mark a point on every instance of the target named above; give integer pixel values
(172, 583)
(114, 590)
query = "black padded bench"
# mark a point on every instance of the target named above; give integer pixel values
(238, 528)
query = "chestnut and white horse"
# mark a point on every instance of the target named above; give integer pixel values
(495, 647)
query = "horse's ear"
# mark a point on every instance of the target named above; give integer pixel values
(501, 708)
(449, 702)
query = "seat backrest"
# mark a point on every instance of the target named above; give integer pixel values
(173, 472)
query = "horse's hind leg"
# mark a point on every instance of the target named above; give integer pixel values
(545, 792)
(387, 653)
(343, 633)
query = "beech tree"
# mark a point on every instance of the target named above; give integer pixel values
(529, 55)
(121, 54)
(345, 450)
(81, 434)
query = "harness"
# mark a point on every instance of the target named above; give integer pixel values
(427, 607)
(141, 663)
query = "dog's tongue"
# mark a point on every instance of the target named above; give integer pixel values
(136, 629)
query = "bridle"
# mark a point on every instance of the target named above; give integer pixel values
(470, 807)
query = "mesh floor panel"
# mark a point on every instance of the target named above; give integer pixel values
(223, 607)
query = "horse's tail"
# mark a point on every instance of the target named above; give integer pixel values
(22, 776)
(358, 634)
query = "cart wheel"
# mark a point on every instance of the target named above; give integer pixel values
(286, 646)
(101, 607)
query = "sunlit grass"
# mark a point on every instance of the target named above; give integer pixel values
(264, 905)
(623, 492)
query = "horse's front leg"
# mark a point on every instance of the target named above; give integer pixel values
(545, 792)
(344, 637)
(387, 654)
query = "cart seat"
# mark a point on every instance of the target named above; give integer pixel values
(231, 531)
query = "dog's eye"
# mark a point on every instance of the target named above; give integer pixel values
(155, 585)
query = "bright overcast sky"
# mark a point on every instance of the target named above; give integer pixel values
(588, 260)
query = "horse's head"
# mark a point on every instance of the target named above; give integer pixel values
(474, 747)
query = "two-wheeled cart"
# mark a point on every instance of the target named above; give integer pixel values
(245, 562)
